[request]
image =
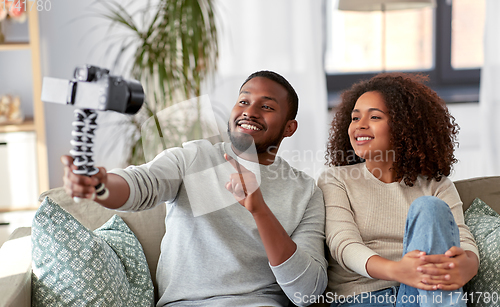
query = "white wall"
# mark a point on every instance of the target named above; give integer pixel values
(468, 154)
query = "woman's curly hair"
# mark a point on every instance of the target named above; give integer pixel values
(423, 131)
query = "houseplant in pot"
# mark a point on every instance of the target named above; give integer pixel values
(171, 47)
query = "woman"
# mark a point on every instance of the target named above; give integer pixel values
(395, 226)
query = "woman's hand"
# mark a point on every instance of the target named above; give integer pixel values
(407, 270)
(450, 271)
(403, 271)
(415, 269)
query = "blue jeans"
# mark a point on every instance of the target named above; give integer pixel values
(430, 227)
(380, 298)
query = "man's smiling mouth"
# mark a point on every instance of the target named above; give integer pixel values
(249, 125)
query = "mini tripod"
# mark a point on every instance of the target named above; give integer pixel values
(92, 89)
(84, 127)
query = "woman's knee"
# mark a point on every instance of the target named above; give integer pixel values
(429, 206)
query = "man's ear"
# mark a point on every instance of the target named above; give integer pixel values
(291, 127)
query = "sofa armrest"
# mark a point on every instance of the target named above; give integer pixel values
(15, 269)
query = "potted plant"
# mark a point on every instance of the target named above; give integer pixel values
(174, 48)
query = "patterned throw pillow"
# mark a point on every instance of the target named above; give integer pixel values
(484, 223)
(73, 266)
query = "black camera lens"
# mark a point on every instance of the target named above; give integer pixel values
(136, 97)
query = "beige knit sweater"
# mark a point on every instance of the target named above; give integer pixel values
(366, 217)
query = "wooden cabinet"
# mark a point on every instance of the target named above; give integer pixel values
(37, 124)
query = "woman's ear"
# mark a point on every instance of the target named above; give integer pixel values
(291, 127)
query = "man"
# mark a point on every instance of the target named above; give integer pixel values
(217, 252)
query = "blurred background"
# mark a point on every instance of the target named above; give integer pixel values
(321, 46)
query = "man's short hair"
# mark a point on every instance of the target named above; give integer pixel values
(293, 98)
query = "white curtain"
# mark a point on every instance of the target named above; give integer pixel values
(489, 94)
(285, 36)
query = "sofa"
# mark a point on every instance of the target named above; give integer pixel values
(148, 226)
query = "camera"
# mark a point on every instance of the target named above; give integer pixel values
(94, 88)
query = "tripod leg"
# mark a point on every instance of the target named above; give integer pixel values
(84, 127)
(101, 191)
(79, 145)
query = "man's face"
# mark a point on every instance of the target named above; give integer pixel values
(259, 114)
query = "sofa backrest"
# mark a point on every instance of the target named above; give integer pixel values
(485, 188)
(148, 226)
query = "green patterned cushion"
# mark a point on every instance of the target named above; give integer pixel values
(74, 266)
(484, 223)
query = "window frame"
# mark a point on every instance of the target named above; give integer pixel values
(454, 86)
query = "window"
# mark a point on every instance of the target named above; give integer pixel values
(466, 34)
(444, 42)
(374, 41)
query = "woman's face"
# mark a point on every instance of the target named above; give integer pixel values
(369, 130)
